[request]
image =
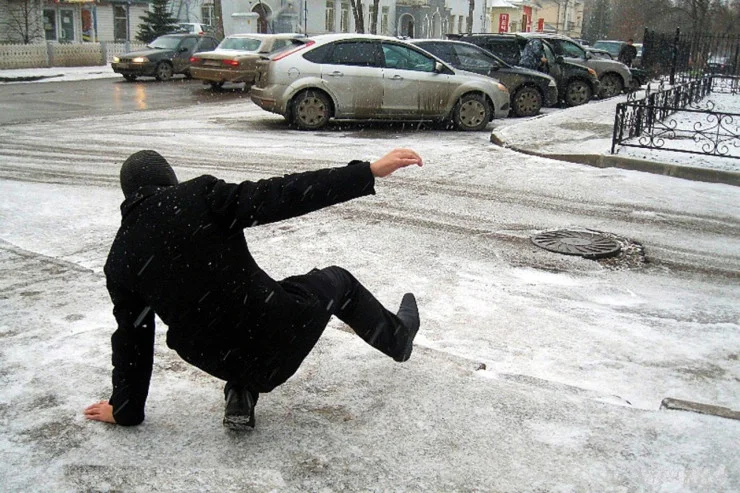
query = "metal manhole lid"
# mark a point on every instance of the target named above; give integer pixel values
(571, 242)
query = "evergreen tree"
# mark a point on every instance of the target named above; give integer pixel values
(158, 21)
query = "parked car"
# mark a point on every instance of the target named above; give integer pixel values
(364, 76)
(194, 28)
(599, 53)
(640, 77)
(637, 62)
(615, 46)
(529, 89)
(167, 55)
(577, 84)
(611, 46)
(615, 77)
(235, 58)
(719, 65)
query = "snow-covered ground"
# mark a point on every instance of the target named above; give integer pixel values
(533, 372)
(691, 131)
(55, 74)
(591, 133)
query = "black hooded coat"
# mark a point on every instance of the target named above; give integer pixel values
(181, 253)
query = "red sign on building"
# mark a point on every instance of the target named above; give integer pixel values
(527, 25)
(503, 23)
(540, 25)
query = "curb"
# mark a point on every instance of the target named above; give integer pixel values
(655, 167)
(29, 78)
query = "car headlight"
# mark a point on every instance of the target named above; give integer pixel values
(116, 59)
(592, 72)
(140, 59)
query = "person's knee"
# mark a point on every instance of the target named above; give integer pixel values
(337, 275)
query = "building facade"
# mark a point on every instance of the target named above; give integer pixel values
(79, 21)
(563, 16)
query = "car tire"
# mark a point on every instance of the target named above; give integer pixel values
(527, 101)
(188, 75)
(216, 85)
(577, 92)
(163, 71)
(611, 85)
(129, 77)
(471, 112)
(310, 110)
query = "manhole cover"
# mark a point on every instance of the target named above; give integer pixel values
(583, 243)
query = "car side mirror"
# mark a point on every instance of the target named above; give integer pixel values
(560, 59)
(183, 49)
(438, 67)
(589, 56)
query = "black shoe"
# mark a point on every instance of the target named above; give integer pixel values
(409, 315)
(239, 413)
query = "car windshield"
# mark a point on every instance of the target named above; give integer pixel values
(165, 43)
(242, 44)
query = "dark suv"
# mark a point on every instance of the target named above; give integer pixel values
(530, 89)
(576, 84)
(167, 55)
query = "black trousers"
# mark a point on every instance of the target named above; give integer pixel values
(326, 292)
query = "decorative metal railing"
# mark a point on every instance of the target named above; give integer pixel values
(684, 56)
(653, 122)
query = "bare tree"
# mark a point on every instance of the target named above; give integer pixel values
(24, 20)
(471, 13)
(218, 18)
(358, 15)
(374, 18)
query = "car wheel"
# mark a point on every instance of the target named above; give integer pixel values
(163, 71)
(216, 85)
(527, 101)
(611, 85)
(311, 110)
(129, 77)
(471, 112)
(188, 75)
(635, 84)
(577, 92)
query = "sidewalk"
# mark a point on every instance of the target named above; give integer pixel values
(56, 74)
(583, 134)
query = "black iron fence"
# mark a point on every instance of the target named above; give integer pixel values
(670, 119)
(685, 56)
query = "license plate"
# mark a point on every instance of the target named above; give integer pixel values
(123, 65)
(212, 63)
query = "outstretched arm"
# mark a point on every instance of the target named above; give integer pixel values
(397, 158)
(274, 199)
(133, 354)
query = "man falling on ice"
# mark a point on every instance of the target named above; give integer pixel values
(180, 253)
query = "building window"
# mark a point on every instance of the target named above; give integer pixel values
(369, 18)
(120, 24)
(50, 24)
(67, 25)
(344, 20)
(207, 14)
(330, 16)
(384, 21)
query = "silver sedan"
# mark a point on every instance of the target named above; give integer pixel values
(368, 77)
